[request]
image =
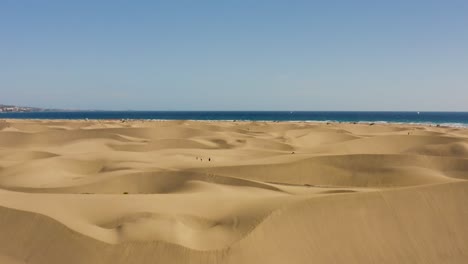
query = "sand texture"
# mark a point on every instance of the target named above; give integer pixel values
(231, 192)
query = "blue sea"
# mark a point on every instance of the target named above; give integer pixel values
(455, 119)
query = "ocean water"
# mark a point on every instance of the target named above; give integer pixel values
(455, 119)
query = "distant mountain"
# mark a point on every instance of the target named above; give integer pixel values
(14, 108)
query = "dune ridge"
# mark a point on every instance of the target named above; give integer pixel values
(231, 192)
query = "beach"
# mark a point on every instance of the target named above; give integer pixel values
(137, 191)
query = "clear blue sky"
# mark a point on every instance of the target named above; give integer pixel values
(235, 55)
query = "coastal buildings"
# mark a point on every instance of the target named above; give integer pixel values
(12, 108)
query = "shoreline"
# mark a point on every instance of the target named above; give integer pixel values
(330, 122)
(446, 119)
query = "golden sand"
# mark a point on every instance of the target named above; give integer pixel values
(231, 192)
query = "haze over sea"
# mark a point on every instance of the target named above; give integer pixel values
(455, 119)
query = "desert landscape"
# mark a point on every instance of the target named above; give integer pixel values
(123, 191)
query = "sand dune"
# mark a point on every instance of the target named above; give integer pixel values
(231, 192)
(359, 170)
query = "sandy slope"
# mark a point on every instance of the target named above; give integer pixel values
(231, 192)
